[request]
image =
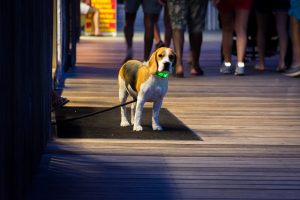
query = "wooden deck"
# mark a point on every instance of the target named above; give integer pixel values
(249, 126)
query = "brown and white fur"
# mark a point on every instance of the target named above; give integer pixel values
(140, 81)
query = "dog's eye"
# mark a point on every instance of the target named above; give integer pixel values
(160, 55)
(171, 57)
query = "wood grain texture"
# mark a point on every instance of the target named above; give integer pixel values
(249, 126)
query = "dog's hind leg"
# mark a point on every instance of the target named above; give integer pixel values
(123, 94)
(133, 107)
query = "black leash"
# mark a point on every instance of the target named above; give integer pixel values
(92, 114)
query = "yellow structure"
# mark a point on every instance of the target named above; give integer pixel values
(108, 18)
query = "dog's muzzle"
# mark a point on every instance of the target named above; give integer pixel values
(167, 66)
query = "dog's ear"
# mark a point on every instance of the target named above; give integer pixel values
(152, 63)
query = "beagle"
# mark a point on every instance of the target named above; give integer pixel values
(145, 82)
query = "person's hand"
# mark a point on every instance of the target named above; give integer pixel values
(216, 2)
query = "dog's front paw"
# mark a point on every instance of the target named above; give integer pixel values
(157, 128)
(124, 123)
(137, 128)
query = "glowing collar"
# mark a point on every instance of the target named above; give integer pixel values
(162, 74)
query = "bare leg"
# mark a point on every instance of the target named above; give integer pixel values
(262, 20)
(157, 39)
(128, 32)
(241, 21)
(96, 22)
(281, 23)
(168, 28)
(227, 21)
(295, 35)
(178, 40)
(294, 71)
(196, 43)
(149, 33)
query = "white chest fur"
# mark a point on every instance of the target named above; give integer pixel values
(154, 88)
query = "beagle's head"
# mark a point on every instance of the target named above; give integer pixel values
(162, 61)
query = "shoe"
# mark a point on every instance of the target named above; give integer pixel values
(239, 71)
(59, 103)
(293, 71)
(226, 68)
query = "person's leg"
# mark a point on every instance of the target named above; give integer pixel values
(262, 21)
(149, 33)
(241, 21)
(196, 24)
(157, 39)
(295, 36)
(177, 12)
(178, 40)
(281, 23)
(128, 33)
(95, 12)
(156, 35)
(227, 22)
(196, 43)
(167, 25)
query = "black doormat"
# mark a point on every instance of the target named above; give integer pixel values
(107, 125)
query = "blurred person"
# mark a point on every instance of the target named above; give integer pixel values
(151, 9)
(167, 28)
(263, 11)
(191, 14)
(85, 8)
(294, 13)
(234, 16)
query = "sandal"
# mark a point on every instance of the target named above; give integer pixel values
(198, 72)
(281, 69)
(259, 68)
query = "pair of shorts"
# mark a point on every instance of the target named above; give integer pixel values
(295, 9)
(267, 6)
(188, 13)
(149, 6)
(233, 5)
(84, 8)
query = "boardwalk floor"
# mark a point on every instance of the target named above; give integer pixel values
(249, 126)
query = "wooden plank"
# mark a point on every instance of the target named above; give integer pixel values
(249, 128)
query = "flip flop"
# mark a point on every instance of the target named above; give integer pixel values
(199, 72)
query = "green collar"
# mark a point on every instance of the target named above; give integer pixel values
(162, 74)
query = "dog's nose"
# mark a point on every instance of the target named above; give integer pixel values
(166, 66)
